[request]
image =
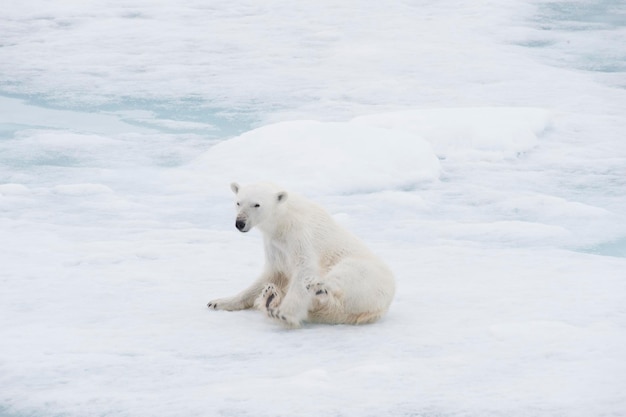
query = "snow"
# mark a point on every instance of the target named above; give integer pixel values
(329, 157)
(492, 133)
(477, 147)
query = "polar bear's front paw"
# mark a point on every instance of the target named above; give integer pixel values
(286, 312)
(284, 318)
(269, 297)
(269, 301)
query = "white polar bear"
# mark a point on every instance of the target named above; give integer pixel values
(315, 271)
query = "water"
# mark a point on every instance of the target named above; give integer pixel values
(566, 28)
(586, 16)
(612, 248)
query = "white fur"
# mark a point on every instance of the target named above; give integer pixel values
(315, 270)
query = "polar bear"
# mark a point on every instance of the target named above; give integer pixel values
(315, 271)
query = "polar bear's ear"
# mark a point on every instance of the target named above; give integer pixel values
(281, 197)
(235, 187)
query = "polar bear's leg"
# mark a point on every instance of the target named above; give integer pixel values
(247, 297)
(241, 301)
(358, 292)
(269, 301)
(294, 305)
(326, 302)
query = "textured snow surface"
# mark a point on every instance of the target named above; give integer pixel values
(477, 147)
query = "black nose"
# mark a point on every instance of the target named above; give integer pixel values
(240, 224)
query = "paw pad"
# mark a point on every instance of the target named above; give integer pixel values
(269, 295)
(317, 289)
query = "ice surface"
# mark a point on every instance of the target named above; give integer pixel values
(478, 147)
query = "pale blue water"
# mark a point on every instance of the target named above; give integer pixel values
(615, 247)
(564, 17)
(224, 122)
(592, 15)
(609, 57)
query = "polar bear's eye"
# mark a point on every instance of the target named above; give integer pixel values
(257, 205)
(238, 204)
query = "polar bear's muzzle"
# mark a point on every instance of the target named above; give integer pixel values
(240, 224)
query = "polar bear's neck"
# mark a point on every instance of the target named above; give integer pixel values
(287, 218)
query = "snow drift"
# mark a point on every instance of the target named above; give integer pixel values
(326, 157)
(469, 133)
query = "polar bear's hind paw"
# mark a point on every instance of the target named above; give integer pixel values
(317, 289)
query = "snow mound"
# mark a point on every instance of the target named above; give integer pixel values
(469, 133)
(13, 189)
(322, 156)
(82, 189)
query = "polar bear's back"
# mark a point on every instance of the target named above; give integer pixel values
(330, 240)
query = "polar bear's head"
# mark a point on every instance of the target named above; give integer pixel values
(257, 205)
